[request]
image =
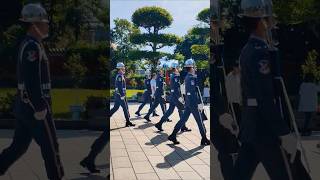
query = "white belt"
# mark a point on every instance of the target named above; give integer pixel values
(43, 86)
(46, 86)
(252, 102)
(21, 86)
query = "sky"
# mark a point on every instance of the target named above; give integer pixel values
(184, 13)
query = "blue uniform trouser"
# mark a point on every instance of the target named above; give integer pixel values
(146, 99)
(251, 154)
(119, 102)
(28, 128)
(98, 145)
(158, 101)
(185, 116)
(168, 113)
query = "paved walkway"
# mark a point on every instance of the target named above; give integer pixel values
(74, 145)
(142, 153)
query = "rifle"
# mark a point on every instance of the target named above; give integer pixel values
(229, 142)
(219, 77)
(204, 112)
(278, 78)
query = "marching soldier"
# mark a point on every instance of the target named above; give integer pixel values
(120, 94)
(33, 104)
(264, 134)
(96, 148)
(159, 97)
(176, 99)
(147, 95)
(192, 105)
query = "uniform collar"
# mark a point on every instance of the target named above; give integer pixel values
(256, 38)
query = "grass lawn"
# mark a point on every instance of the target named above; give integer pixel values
(63, 98)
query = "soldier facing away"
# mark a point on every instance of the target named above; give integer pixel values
(33, 104)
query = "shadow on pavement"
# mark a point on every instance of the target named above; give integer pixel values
(144, 126)
(160, 138)
(172, 156)
(90, 176)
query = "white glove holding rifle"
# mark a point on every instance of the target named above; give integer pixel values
(289, 143)
(200, 107)
(123, 97)
(181, 100)
(226, 120)
(40, 115)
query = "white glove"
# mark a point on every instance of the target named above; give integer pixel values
(200, 107)
(40, 115)
(181, 100)
(226, 120)
(163, 96)
(123, 97)
(289, 143)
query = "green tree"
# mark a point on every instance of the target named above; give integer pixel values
(76, 68)
(200, 51)
(152, 20)
(311, 65)
(120, 37)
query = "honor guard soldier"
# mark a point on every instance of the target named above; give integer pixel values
(33, 104)
(264, 134)
(176, 100)
(147, 93)
(96, 148)
(159, 97)
(192, 105)
(120, 94)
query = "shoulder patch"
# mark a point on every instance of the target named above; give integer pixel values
(264, 67)
(192, 82)
(32, 55)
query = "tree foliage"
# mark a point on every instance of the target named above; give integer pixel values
(204, 16)
(311, 65)
(152, 20)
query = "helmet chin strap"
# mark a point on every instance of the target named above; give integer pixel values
(43, 36)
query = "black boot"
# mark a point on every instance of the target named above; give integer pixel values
(86, 163)
(173, 139)
(147, 118)
(155, 114)
(185, 129)
(205, 141)
(159, 126)
(128, 124)
(138, 113)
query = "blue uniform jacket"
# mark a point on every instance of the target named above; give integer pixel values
(175, 93)
(159, 88)
(120, 85)
(261, 118)
(34, 82)
(192, 95)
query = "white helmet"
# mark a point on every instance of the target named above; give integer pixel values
(147, 72)
(120, 65)
(175, 65)
(189, 63)
(256, 8)
(34, 13)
